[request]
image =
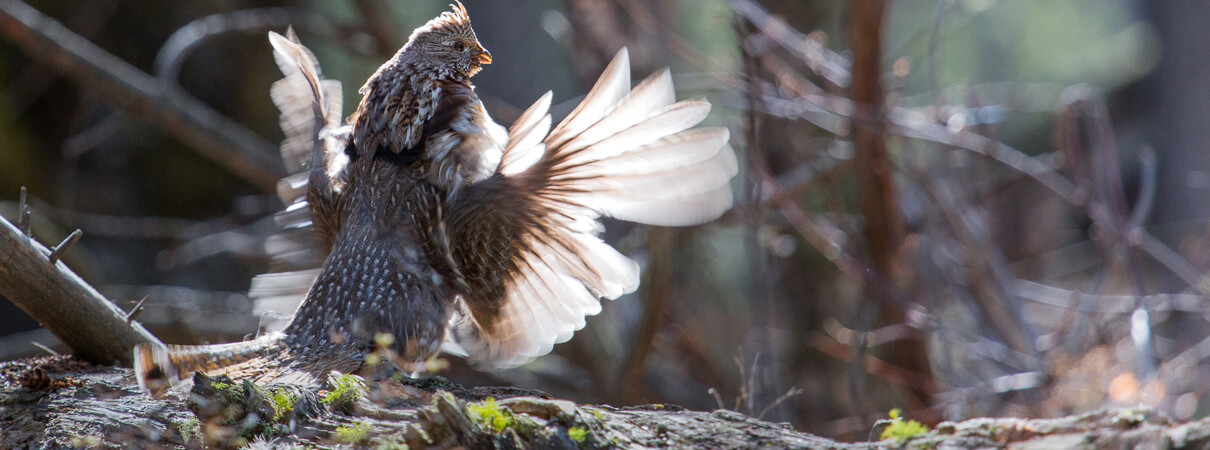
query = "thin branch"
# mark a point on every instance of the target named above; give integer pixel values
(20, 345)
(877, 367)
(177, 48)
(1165, 255)
(138, 308)
(1146, 195)
(80, 143)
(23, 212)
(213, 135)
(826, 63)
(793, 392)
(44, 348)
(57, 252)
(1108, 304)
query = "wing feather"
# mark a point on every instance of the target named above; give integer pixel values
(313, 151)
(525, 145)
(624, 153)
(610, 87)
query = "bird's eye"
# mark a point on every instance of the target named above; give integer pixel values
(459, 46)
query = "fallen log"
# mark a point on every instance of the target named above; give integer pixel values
(40, 283)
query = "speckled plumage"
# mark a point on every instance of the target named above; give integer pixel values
(438, 228)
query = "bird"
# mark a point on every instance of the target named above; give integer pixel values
(434, 228)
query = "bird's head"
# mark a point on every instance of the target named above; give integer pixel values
(447, 45)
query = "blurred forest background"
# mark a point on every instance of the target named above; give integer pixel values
(956, 207)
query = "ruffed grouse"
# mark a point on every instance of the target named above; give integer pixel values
(436, 225)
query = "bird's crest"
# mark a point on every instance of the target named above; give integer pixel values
(455, 21)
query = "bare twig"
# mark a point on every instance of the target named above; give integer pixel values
(1165, 255)
(793, 392)
(222, 140)
(1146, 198)
(23, 213)
(828, 64)
(138, 308)
(43, 347)
(17, 345)
(92, 326)
(80, 143)
(877, 367)
(1108, 304)
(67, 242)
(718, 399)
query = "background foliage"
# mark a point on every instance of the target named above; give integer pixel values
(1064, 272)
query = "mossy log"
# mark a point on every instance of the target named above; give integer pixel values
(59, 401)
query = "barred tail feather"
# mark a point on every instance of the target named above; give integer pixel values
(158, 368)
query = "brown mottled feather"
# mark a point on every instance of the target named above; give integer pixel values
(363, 209)
(437, 224)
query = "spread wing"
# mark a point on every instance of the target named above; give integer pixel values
(313, 150)
(525, 239)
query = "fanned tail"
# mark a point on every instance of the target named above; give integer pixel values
(160, 367)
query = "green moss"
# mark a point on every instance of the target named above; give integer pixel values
(352, 434)
(190, 429)
(900, 430)
(220, 386)
(283, 404)
(577, 434)
(1130, 418)
(344, 389)
(491, 415)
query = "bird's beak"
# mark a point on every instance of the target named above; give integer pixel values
(484, 57)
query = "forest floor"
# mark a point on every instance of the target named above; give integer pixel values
(58, 401)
